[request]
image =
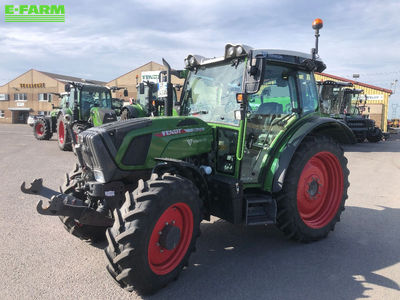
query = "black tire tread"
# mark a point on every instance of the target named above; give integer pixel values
(47, 130)
(67, 146)
(288, 220)
(127, 240)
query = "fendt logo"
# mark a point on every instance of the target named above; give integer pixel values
(34, 13)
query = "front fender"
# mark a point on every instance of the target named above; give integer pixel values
(315, 125)
(135, 111)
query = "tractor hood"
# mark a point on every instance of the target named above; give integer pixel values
(114, 149)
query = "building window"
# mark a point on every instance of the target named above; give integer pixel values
(4, 97)
(2, 114)
(45, 97)
(20, 97)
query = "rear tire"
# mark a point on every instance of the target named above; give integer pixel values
(42, 130)
(64, 140)
(84, 232)
(315, 190)
(162, 213)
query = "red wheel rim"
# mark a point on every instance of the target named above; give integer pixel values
(61, 132)
(320, 190)
(39, 129)
(161, 260)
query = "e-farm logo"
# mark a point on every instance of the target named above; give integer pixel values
(34, 13)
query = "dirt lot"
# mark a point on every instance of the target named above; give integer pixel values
(361, 258)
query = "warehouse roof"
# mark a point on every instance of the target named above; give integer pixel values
(67, 78)
(356, 82)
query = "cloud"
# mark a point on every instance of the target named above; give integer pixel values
(103, 39)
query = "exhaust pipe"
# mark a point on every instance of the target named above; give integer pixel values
(169, 101)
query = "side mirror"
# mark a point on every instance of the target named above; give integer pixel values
(141, 88)
(125, 93)
(67, 88)
(254, 74)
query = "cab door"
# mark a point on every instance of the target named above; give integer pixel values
(270, 110)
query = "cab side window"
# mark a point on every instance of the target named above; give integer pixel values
(308, 92)
(276, 95)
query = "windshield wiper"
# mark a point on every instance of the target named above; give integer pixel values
(200, 112)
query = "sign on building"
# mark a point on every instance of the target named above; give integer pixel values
(372, 97)
(151, 76)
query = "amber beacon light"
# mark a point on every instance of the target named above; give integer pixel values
(317, 24)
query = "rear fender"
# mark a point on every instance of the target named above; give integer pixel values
(339, 131)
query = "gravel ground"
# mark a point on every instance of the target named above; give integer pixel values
(40, 260)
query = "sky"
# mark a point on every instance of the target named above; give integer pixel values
(105, 39)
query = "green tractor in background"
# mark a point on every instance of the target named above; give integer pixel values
(83, 106)
(151, 96)
(342, 102)
(237, 152)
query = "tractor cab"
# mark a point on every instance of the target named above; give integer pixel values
(332, 97)
(352, 104)
(250, 97)
(90, 103)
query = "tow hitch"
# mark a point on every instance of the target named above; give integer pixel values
(65, 205)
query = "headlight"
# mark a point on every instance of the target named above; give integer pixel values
(186, 62)
(239, 50)
(231, 51)
(99, 176)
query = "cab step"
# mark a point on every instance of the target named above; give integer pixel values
(260, 209)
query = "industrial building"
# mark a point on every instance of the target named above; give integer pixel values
(31, 93)
(377, 98)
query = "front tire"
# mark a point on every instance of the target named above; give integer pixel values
(64, 140)
(315, 190)
(154, 233)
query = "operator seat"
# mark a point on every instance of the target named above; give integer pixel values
(270, 108)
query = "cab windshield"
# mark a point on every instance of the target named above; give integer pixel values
(210, 93)
(94, 97)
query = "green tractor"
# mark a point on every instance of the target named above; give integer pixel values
(235, 152)
(83, 106)
(342, 102)
(150, 100)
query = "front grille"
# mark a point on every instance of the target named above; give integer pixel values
(88, 139)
